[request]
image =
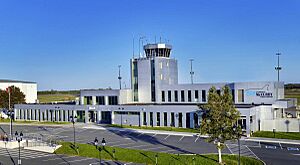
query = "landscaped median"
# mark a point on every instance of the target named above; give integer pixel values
(277, 135)
(157, 128)
(34, 122)
(148, 157)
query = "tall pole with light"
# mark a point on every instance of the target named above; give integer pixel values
(119, 77)
(278, 68)
(73, 118)
(9, 109)
(19, 138)
(192, 72)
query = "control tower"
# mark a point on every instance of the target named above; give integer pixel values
(157, 50)
(151, 72)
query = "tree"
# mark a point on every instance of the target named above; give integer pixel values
(220, 118)
(16, 97)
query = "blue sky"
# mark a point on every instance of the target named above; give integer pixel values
(75, 44)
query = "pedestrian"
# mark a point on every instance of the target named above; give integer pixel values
(16, 135)
(96, 141)
(21, 135)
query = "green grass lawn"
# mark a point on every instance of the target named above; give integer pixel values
(48, 98)
(278, 135)
(158, 128)
(148, 157)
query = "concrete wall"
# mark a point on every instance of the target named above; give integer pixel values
(281, 125)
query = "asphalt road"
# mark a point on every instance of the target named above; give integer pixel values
(271, 153)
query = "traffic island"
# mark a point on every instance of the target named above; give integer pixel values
(149, 157)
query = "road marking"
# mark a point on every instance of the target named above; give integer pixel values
(140, 134)
(259, 144)
(292, 149)
(121, 144)
(79, 160)
(296, 154)
(271, 147)
(197, 139)
(227, 147)
(166, 137)
(181, 138)
(253, 153)
(280, 145)
(153, 135)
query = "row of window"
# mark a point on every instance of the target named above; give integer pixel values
(196, 95)
(165, 119)
(182, 96)
(100, 100)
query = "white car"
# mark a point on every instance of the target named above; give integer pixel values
(3, 115)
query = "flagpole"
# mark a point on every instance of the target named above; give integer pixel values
(10, 130)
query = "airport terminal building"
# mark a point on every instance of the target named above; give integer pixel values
(157, 99)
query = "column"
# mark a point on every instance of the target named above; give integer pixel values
(25, 116)
(248, 125)
(16, 114)
(62, 116)
(67, 115)
(161, 118)
(93, 100)
(183, 120)
(106, 100)
(86, 116)
(154, 119)
(33, 117)
(169, 119)
(82, 100)
(49, 115)
(98, 116)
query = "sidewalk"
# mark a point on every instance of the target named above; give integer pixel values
(271, 140)
(161, 132)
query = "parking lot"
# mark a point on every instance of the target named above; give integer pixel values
(271, 153)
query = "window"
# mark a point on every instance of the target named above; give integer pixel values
(145, 118)
(151, 119)
(112, 100)
(176, 96)
(87, 100)
(157, 118)
(189, 95)
(163, 96)
(100, 100)
(165, 119)
(241, 95)
(233, 95)
(182, 96)
(172, 119)
(169, 96)
(196, 95)
(203, 96)
(179, 119)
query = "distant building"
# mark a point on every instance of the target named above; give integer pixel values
(28, 88)
(157, 99)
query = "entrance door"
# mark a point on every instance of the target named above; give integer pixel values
(91, 116)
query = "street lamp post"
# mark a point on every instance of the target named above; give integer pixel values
(156, 157)
(73, 118)
(97, 148)
(19, 139)
(235, 129)
(114, 151)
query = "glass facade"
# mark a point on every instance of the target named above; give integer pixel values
(163, 97)
(169, 96)
(189, 96)
(203, 96)
(112, 100)
(176, 96)
(182, 96)
(100, 100)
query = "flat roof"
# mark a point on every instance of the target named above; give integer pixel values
(15, 81)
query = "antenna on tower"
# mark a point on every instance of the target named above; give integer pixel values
(192, 72)
(133, 46)
(119, 77)
(278, 68)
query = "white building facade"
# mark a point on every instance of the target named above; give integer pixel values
(28, 88)
(157, 99)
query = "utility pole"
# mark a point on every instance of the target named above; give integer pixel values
(119, 77)
(192, 72)
(278, 68)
